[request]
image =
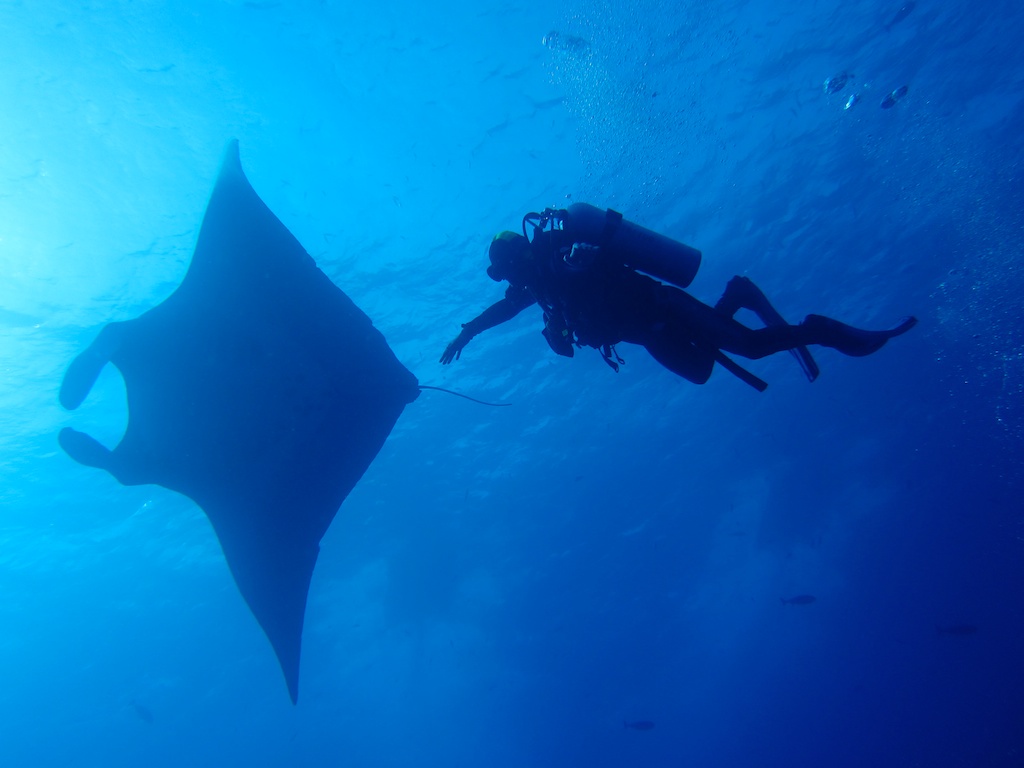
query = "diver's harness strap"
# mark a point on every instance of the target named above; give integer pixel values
(612, 219)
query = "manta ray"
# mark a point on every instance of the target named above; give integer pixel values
(257, 389)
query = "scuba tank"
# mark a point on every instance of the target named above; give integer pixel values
(632, 245)
(637, 247)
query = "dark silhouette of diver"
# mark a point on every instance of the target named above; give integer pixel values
(581, 268)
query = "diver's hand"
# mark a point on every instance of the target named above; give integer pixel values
(454, 349)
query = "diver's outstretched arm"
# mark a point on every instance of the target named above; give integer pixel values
(496, 314)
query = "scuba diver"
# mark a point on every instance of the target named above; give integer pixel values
(583, 266)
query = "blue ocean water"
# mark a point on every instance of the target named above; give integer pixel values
(509, 587)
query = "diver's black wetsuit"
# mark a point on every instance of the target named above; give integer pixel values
(587, 300)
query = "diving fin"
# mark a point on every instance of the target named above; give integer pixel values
(806, 362)
(740, 292)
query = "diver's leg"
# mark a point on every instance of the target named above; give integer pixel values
(681, 357)
(741, 293)
(712, 329)
(817, 329)
(687, 318)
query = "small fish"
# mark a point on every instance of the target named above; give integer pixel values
(798, 600)
(852, 101)
(956, 629)
(890, 99)
(904, 11)
(836, 83)
(638, 725)
(564, 43)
